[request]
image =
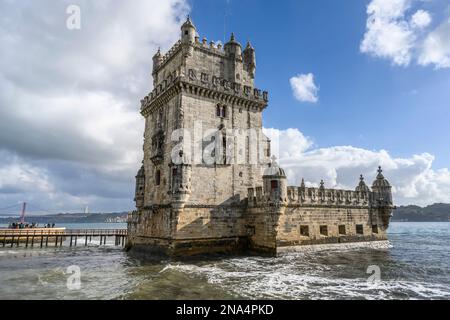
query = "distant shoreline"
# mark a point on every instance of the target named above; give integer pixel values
(438, 212)
(120, 217)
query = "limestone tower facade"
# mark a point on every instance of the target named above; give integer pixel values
(203, 98)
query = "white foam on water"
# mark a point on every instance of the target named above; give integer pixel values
(8, 252)
(271, 279)
(379, 245)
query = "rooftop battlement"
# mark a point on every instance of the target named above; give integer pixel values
(362, 196)
(303, 196)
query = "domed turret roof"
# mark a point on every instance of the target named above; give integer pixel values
(232, 41)
(249, 46)
(274, 170)
(188, 24)
(157, 54)
(362, 187)
(380, 181)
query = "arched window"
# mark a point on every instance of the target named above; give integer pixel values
(218, 112)
(158, 177)
(224, 146)
(174, 179)
(224, 112)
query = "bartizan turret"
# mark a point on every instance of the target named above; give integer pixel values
(140, 188)
(157, 61)
(275, 185)
(381, 188)
(233, 48)
(250, 59)
(180, 184)
(363, 190)
(382, 199)
(188, 37)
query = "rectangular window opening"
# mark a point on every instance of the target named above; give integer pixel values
(375, 228)
(304, 231)
(359, 229)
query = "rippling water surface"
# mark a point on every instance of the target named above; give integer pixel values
(415, 266)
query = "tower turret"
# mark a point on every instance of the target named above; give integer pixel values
(157, 60)
(274, 179)
(382, 193)
(249, 57)
(362, 187)
(180, 180)
(188, 32)
(140, 188)
(233, 48)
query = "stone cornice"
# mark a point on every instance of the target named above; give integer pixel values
(220, 90)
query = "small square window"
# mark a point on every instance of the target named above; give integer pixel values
(274, 185)
(324, 230)
(375, 228)
(359, 229)
(304, 231)
(342, 230)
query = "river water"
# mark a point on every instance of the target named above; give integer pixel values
(416, 265)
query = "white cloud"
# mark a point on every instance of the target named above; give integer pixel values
(436, 47)
(421, 19)
(413, 179)
(290, 143)
(69, 99)
(401, 35)
(388, 35)
(304, 88)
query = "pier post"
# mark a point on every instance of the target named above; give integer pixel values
(61, 241)
(12, 241)
(76, 238)
(42, 240)
(46, 241)
(85, 242)
(71, 238)
(26, 243)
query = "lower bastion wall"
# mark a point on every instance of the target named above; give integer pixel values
(189, 231)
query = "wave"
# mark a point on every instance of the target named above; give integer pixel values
(259, 278)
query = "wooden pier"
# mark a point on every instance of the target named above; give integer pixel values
(57, 237)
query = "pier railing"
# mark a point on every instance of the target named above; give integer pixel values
(59, 236)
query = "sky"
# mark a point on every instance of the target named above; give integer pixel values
(353, 84)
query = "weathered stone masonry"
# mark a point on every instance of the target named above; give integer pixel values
(185, 208)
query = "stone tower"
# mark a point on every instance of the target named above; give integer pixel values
(207, 184)
(203, 96)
